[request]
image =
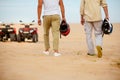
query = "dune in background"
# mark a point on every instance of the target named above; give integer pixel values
(25, 61)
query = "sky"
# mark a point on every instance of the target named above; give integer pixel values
(11, 11)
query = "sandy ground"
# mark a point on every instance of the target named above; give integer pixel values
(25, 61)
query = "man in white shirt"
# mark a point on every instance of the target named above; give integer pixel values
(51, 19)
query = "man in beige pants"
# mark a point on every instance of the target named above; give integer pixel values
(90, 11)
(51, 19)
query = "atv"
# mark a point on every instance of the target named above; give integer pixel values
(27, 33)
(8, 32)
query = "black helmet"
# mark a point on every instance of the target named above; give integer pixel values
(107, 27)
(64, 28)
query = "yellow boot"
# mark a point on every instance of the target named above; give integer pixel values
(99, 49)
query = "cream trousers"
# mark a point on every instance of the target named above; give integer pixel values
(89, 27)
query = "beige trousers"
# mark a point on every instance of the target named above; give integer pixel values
(53, 22)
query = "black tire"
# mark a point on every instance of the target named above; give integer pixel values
(35, 38)
(15, 37)
(23, 39)
(1, 38)
(6, 37)
(12, 37)
(18, 38)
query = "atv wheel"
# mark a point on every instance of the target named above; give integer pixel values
(23, 39)
(12, 37)
(1, 39)
(35, 38)
(18, 38)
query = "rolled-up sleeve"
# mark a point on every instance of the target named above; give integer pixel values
(103, 3)
(82, 7)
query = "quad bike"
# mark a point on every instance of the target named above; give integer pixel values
(27, 33)
(8, 33)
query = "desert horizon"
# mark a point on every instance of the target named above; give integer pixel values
(25, 60)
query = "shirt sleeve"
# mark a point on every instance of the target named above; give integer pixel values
(82, 4)
(103, 3)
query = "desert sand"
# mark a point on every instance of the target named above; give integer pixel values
(25, 60)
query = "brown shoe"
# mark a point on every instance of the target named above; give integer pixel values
(99, 49)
